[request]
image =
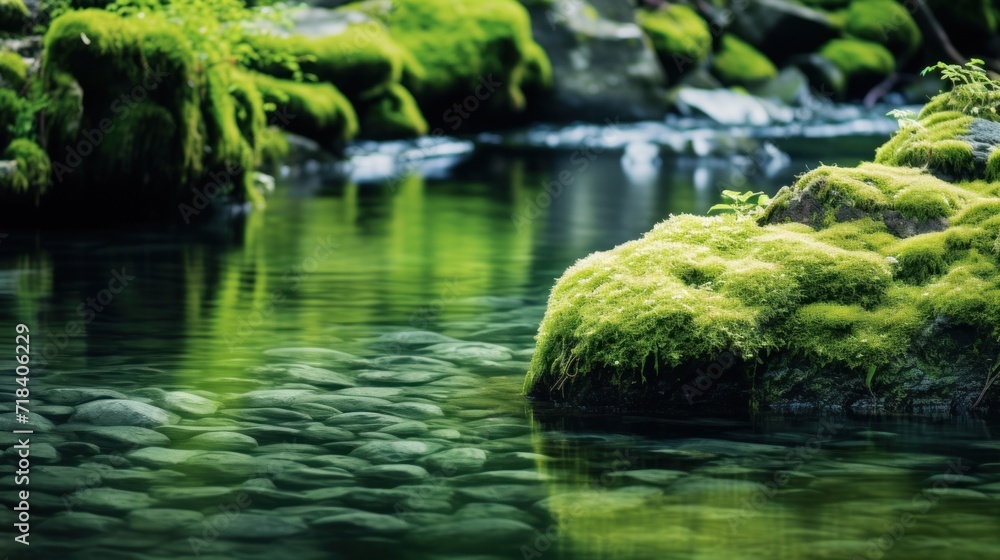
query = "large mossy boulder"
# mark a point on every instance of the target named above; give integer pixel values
(472, 55)
(863, 64)
(874, 286)
(23, 183)
(781, 29)
(680, 36)
(134, 115)
(13, 16)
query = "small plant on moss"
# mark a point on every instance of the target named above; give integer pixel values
(972, 87)
(742, 204)
(905, 118)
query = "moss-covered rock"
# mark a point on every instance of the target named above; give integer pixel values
(394, 114)
(13, 71)
(466, 48)
(13, 15)
(29, 179)
(885, 22)
(135, 115)
(844, 292)
(315, 110)
(955, 136)
(738, 64)
(863, 63)
(679, 35)
(362, 61)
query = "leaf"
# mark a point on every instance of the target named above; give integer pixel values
(763, 200)
(871, 375)
(722, 208)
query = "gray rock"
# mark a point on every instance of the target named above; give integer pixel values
(347, 403)
(403, 451)
(603, 67)
(307, 477)
(222, 441)
(162, 520)
(198, 497)
(320, 377)
(406, 429)
(119, 412)
(415, 411)
(265, 415)
(411, 339)
(63, 480)
(383, 377)
(363, 421)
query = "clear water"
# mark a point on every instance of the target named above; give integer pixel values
(419, 303)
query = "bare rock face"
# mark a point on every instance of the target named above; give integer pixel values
(603, 68)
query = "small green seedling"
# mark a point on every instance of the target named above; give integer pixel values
(742, 204)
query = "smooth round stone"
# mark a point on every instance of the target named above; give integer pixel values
(446, 433)
(63, 480)
(109, 500)
(457, 382)
(140, 479)
(953, 479)
(470, 351)
(415, 411)
(412, 339)
(73, 396)
(192, 497)
(270, 434)
(41, 453)
(384, 377)
(160, 457)
(391, 475)
(513, 494)
(368, 436)
(54, 411)
(188, 404)
(308, 374)
(480, 510)
(163, 520)
(225, 465)
(37, 422)
(285, 447)
(222, 441)
(456, 461)
(123, 436)
(318, 433)
(80, 522)
(77, 449)
(405, 429)
(390, 362)
(368, 420)
(474, 535)
(394, 451)
(274, 398)
(118, 412)
(310, 513)
(315, 410)
(501, 477)
(361, 523)
(374, 392)
(517, 460)
(347, 403)
(350, 464)
(501, 431)
(266, 415)
(256, 526)
(308, 477)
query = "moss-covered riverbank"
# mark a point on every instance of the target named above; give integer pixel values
(875, 286)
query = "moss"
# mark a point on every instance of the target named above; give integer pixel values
(885, 22)
(394, 114)
(738, 63)
(362, 61)
(851, 293)
(487, 41)
(863, 63)
(31, 176)
(537, 70)
(13, 71)
(13, 15)
(9, 104)
(317, 111)
(133, 112)
(679, 35)
(274, 147)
